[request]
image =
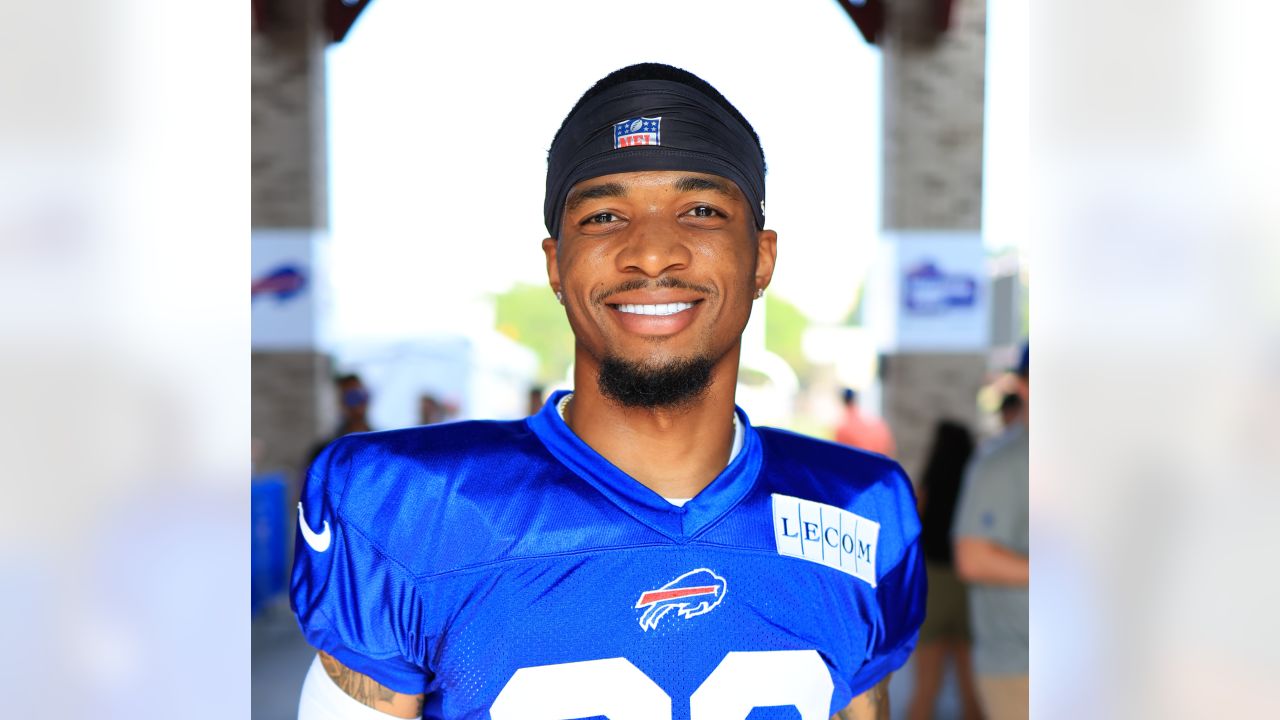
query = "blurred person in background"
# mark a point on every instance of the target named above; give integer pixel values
(992, 556)
(535, 399)
(860, 430)
(353, 405)
(1010, 410)
(637, 547)
(430, 410)
(353, 411)
(945, 633)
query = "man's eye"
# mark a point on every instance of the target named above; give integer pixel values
(703, 211)
(602, 218)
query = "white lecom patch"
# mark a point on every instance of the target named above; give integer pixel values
(827, 535)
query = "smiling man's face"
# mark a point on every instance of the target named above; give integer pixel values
(658, 270)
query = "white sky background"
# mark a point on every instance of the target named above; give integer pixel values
(1006, 194)
(441, 116)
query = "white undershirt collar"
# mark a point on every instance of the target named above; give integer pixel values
(733, 453)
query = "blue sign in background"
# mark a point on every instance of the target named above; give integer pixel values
(269, 548)
(927, 289)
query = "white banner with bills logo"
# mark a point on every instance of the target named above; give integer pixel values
(929, 291)
(290, 297)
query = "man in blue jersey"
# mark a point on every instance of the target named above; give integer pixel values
(636, 550)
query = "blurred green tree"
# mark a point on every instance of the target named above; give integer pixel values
(530, 315)
(784, 326)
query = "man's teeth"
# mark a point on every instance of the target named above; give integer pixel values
(659, 309)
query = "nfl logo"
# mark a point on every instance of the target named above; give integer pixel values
(637, 131)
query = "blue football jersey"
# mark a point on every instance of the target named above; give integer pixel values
(507, 570)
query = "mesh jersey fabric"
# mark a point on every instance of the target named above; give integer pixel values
(457, 560)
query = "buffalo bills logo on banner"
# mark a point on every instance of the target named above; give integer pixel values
(694, 593)
(283, 282)
(637, 131)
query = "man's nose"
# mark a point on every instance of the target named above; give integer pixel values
(654, 248)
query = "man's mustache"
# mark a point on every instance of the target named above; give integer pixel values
(667, 282)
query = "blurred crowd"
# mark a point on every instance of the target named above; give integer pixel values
(973, 503)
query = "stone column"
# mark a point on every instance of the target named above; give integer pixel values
(932, 180)
(292, 403)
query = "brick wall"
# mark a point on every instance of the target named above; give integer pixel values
(293, 406)
(288, 118)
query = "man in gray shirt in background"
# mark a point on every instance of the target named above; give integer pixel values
(991, 554)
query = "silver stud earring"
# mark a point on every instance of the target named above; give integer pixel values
(559, 297)
(759, 293)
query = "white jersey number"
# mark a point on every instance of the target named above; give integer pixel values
(613, 687)
(620, 691)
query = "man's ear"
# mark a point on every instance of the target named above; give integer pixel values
(549, 248)
(766, 256)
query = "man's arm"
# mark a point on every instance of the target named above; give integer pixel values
(368, 691)
(978, 560)
(870, 705)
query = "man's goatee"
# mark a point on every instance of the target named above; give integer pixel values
(673, 384)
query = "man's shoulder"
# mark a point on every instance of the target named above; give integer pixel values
(833, 473)
(474, 434)
(429, 445)
(806, 478)
(425, 459)
(823, 456)
(413, 490)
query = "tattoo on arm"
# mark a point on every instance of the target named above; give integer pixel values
(870, 705)
(370, 692)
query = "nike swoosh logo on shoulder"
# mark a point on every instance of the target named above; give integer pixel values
(318, 541)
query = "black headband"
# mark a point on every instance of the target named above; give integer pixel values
(652, 125)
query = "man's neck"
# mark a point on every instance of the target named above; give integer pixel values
(354, 426)
(676, 452)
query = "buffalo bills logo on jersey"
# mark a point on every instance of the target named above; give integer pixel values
(694, 593)
(637, 131)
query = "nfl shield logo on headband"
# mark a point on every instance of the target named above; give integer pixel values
(637, 131)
